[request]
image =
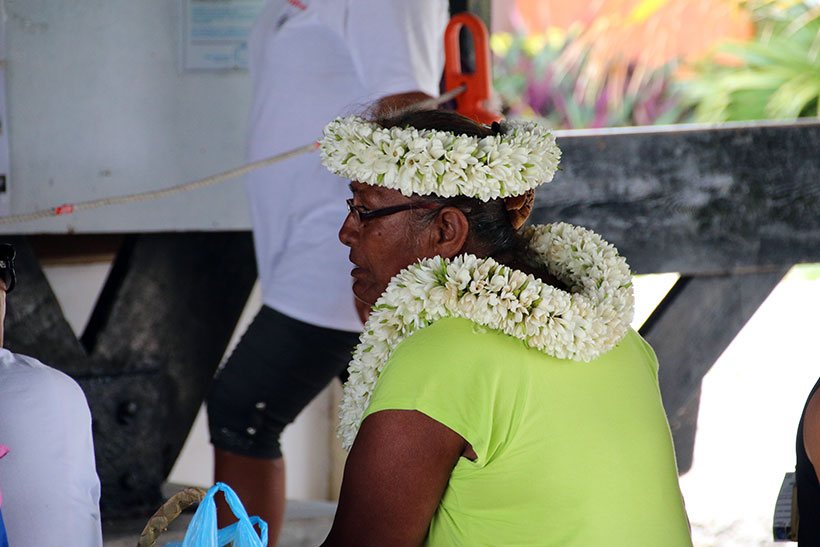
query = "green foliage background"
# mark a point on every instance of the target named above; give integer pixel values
(774, 76)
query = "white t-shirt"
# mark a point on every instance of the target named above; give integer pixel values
(313, 60)
(51, 493)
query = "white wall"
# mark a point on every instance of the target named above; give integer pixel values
(98, 107)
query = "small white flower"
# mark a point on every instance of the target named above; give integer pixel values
(428, 162)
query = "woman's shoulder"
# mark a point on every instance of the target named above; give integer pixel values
(455, 329)
(28, 377)
(634, 349)
(456, 372)
(455, 345)
(460, 335)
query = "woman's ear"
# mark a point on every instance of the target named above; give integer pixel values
(450, 231)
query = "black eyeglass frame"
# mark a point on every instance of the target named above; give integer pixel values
(7, 273)
(361, 216)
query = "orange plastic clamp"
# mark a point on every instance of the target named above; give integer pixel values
(478, 84)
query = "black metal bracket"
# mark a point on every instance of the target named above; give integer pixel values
(157, 333)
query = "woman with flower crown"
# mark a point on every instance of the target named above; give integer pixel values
(498, 395)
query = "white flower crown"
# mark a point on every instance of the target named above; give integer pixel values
(426, 161)
(581, 324)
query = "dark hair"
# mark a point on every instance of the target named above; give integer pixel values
(490, 226)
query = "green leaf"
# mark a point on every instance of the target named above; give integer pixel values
(793, 96)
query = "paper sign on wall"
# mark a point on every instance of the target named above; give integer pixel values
(215, 33)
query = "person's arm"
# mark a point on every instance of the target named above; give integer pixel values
(811, 432)
(397, 46)
(395, 476)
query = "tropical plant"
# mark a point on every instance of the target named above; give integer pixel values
(776, 75)
(556, 76)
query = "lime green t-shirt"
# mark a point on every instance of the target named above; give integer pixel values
(569, 453)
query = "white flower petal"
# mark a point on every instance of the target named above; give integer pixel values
(428, 162)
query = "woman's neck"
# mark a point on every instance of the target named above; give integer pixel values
(514, 258)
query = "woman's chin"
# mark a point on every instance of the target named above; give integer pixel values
(366, 292)
(362, 294)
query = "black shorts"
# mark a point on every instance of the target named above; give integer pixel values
(277, 368)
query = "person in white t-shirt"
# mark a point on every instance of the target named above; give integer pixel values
(51, 492)
(311, 60)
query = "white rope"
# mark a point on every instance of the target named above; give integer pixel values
(70, 208)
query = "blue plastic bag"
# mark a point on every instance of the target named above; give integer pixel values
(4, 542)
(203, 532)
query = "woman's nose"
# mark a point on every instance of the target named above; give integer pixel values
(348, 230)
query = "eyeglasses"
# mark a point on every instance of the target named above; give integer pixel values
(7, 266)
(363, 213)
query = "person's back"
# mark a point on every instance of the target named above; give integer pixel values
(48, 479)
(807, 470)
(498, 395)
(568, 453)
(310, 64)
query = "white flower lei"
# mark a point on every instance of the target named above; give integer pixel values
(579, 325)
(424, 161)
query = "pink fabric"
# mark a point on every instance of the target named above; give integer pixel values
(3, 451)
